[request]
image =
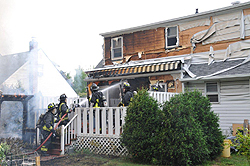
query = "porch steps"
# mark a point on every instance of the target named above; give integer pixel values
(55, 147)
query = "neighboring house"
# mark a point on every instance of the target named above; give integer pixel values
(207, 51)
(31, 78)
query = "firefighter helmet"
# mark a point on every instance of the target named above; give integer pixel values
(126, 85)
(63, 97)
(94, 87)
(51, 107)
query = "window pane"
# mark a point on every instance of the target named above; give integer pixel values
(117, 53)
(163, 88)
(117, 42)
(212, 87)
(172, 31)
(172, 41)
(213, 98)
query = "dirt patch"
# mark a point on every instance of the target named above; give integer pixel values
(78, 160)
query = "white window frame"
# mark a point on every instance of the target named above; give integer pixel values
(166, 37)
(213, 93)
(112, 49)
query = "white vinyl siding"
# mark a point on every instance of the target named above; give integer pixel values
(234, 105)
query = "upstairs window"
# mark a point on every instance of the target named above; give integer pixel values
(172, 38)
(116, 48)
(212, 92)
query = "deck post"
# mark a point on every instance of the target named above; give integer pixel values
(62, 140)
(78, 125)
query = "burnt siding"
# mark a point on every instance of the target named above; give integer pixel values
(107, 52)
(147, 41)
(143, 41)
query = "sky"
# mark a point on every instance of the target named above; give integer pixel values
(68, 31)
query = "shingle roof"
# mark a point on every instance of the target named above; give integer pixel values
(11, 63)
(205, 69)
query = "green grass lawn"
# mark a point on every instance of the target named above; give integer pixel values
(233, 160)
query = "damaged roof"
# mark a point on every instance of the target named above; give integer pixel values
(220, 69)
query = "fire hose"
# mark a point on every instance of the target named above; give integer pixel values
(49, 135)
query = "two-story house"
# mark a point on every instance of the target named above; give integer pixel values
(208, 51)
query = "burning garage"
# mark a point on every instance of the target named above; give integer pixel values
(28, 81)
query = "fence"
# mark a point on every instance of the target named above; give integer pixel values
(161, 97)
(96, 128)
(99, 129)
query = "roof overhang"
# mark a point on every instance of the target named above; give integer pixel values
(188, 18)
(224, 77)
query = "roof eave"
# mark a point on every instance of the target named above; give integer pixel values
(237, 76)
(166, 23)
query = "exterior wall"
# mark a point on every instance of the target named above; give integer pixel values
(152, 42)
(234, 97)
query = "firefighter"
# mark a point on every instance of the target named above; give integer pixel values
(48, 127)
(128, 95)
(156, 87)
(97, 97)
(63, 109)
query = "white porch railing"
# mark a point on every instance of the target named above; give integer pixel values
(99, 129)
(161, 97)
(93, 122)
(105, 120)
(68, 133)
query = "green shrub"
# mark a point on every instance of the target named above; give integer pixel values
(183, 141)
(184, 132)
(209, 121)
(242, 144)
(141, 130)
(4, 149)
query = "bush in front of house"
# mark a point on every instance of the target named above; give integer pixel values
(209, 121)
(242, 143)
(4, 149)
(183, 141)
(184, 132)
(141, 130)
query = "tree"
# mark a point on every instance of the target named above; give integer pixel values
(79, 85)
(67, 77)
